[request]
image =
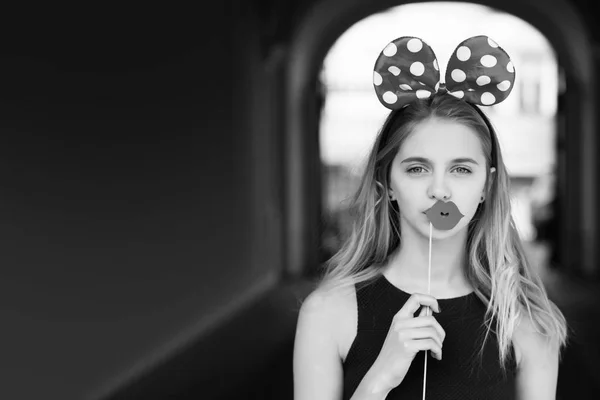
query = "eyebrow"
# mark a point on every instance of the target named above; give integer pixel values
(428, 161)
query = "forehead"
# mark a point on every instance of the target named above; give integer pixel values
(442, 139)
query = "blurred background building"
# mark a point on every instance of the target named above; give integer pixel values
(526, 121)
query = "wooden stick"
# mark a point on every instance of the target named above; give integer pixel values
(428, 309)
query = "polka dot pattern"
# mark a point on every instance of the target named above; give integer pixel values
(407, 68)
(394, 70)
(417, 68)
(390, 97)
(489, 71)
(488, 61)
(458, 75)
(377, 79)
(390, 50)
(463, 53)
(459, 94)
(414, 45)
(483, 80)
(504, 86)
(487, 99)
(423, 94)
(479, 72)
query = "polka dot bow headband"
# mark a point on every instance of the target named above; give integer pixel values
(479, 72)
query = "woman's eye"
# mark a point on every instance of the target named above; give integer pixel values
(463, 170)
(420, 170)
(415, 170)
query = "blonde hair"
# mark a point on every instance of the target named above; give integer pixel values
(497, 266)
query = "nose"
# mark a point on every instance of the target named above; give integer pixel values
(438, 189)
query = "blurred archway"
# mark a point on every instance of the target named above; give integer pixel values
(526, 122)
(575, 170)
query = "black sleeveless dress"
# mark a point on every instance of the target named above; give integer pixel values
(463, 374)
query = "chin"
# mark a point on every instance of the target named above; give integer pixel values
(440, 234)
(444, 234)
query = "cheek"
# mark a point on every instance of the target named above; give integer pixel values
(405, 202)
(471, 208)
(410, 194)
(470, 199)
(408, 186)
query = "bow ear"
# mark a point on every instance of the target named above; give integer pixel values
(480, 72)
(406, 70)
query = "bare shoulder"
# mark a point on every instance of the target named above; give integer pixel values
(333, 313)
(531, 346)
(537, 362)
(324, 323)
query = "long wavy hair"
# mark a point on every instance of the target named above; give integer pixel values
(497, 266)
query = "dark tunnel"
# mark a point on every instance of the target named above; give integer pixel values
(160, 201)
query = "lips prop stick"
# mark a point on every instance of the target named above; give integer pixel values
(443, 216)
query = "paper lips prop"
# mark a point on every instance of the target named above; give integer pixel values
(444, 215)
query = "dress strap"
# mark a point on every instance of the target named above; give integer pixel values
(376, 304)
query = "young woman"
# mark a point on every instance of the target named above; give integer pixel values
(494, 334)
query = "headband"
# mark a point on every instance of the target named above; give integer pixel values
(479, 72)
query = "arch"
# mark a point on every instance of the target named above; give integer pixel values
(326, 20)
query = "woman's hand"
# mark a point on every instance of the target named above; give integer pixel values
(407, 336)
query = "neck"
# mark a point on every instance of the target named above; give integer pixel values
(409, 265)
